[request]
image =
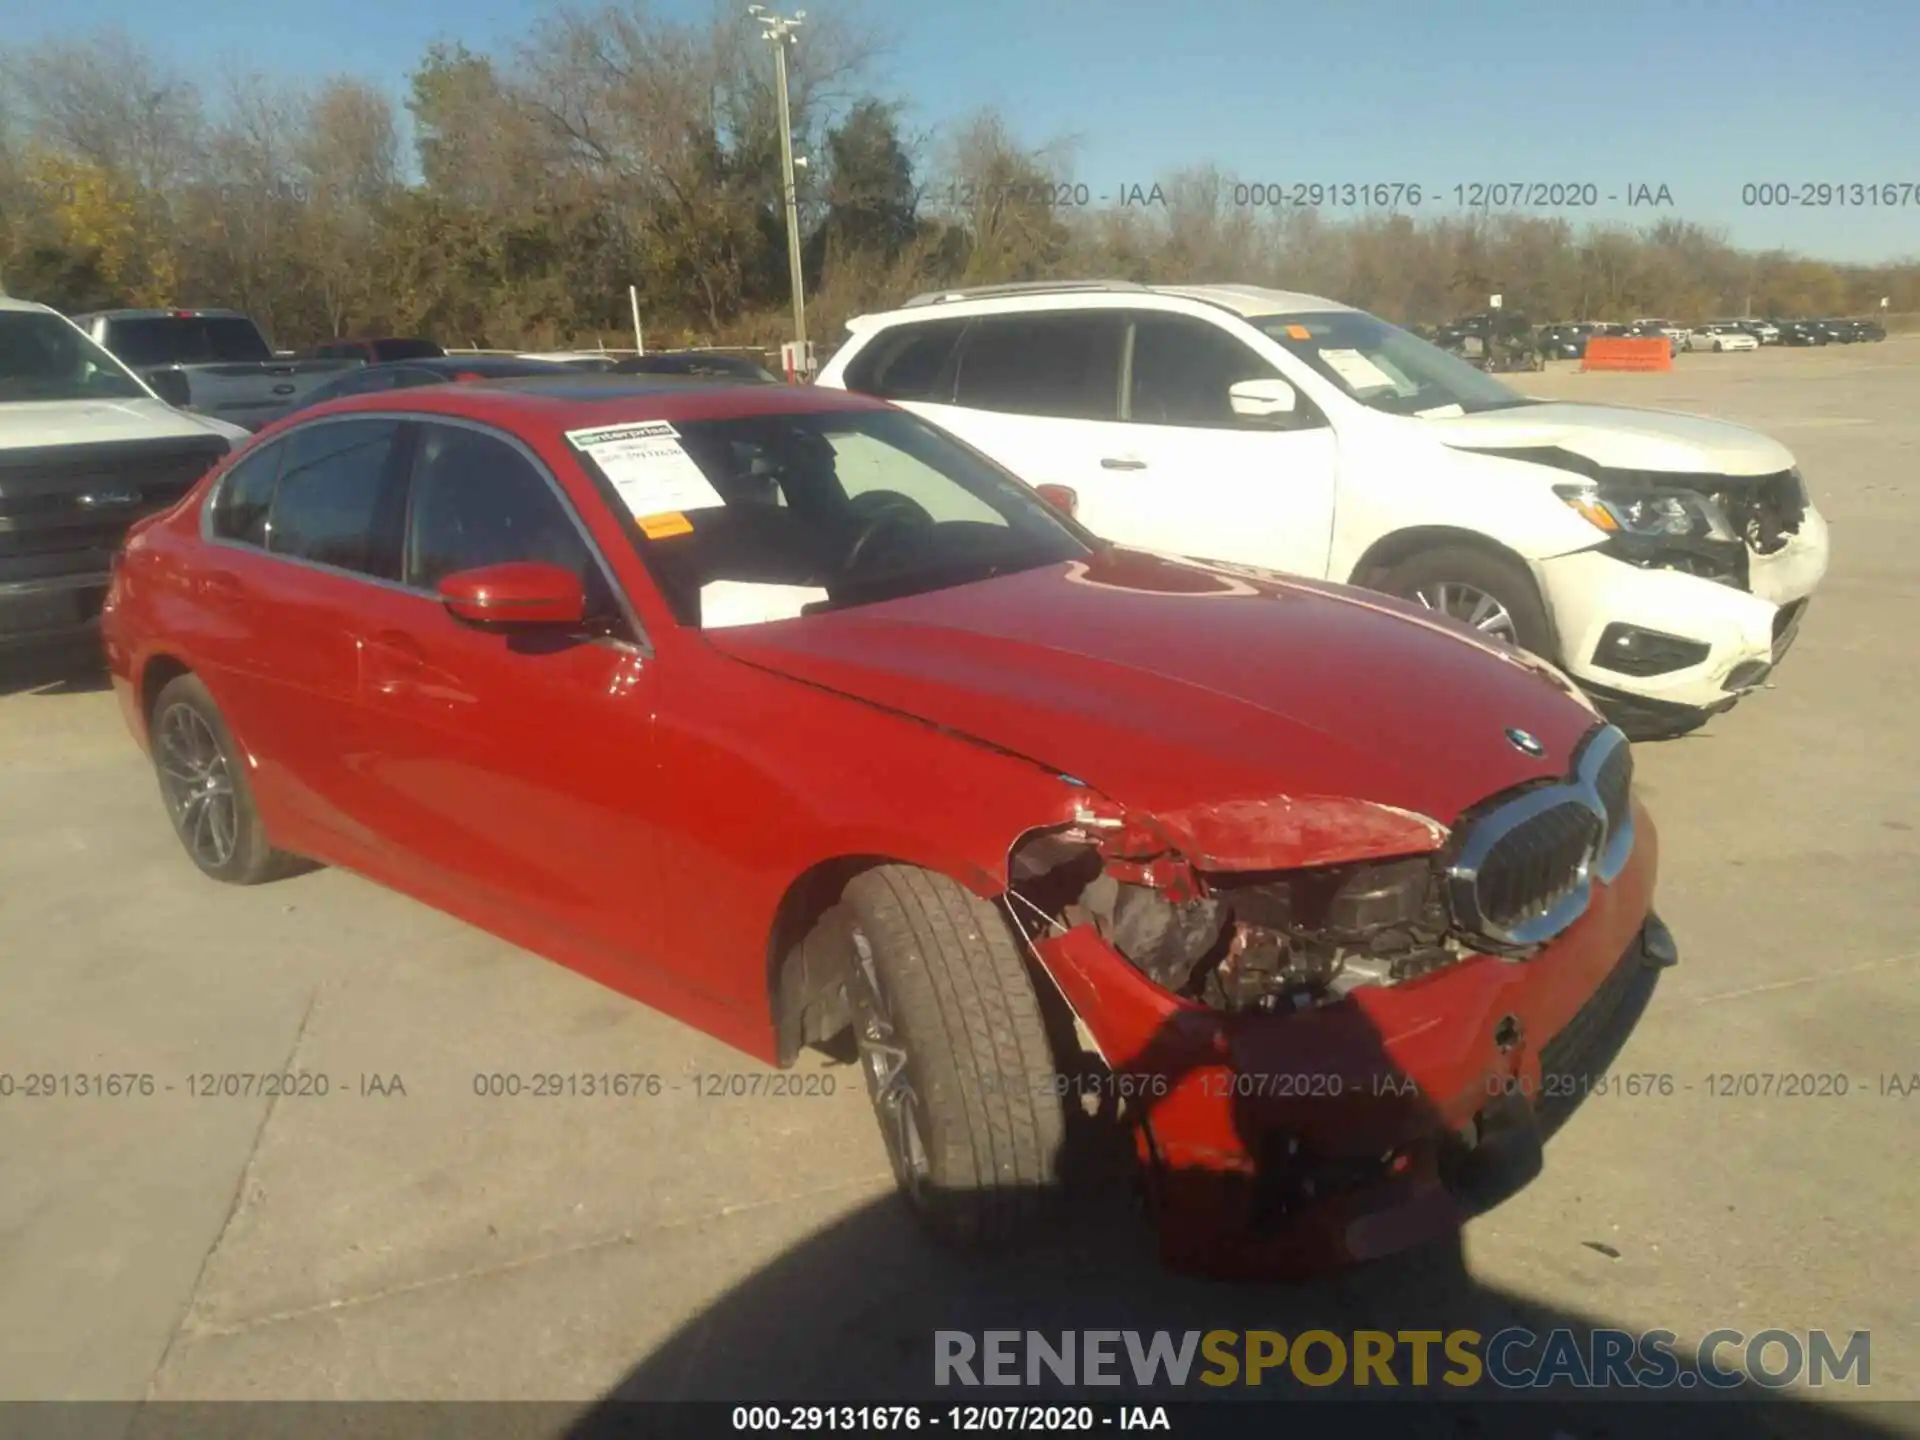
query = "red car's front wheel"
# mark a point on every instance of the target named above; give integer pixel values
(956, 1055)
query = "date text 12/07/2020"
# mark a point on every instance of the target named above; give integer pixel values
(96, 1085)
(1322, 194)
(1225, 1084)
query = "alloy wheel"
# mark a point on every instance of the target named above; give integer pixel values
(198, 786)
(1468, 604)
(883, 1060)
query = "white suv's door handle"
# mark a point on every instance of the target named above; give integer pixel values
(1116, 463)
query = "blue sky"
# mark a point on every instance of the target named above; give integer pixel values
(1702, 96)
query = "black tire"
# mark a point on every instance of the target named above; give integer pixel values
(183, 714)
(939, 970)
(1506, 581)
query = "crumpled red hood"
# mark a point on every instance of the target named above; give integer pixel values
(1252, 716)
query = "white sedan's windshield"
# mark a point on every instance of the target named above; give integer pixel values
(1385, 367)
(43, 357)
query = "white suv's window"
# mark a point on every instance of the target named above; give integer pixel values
(865, 463)
(1063, 365)
(1182, 370)
(908, 362)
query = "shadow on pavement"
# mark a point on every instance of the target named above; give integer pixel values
(850, 1316)
(53, 670)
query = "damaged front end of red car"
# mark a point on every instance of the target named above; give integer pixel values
(1328, 1049)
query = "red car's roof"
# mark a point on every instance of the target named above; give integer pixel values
(575, 400)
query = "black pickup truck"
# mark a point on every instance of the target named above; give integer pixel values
(215, 362)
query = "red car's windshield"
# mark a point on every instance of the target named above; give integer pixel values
(769, 516)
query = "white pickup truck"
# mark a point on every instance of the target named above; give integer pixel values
(86, 449)
(216, 362)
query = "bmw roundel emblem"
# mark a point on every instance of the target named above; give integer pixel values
(1525, 743)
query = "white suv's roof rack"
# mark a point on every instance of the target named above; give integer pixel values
(1022, 287)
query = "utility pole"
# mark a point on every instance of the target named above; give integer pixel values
(779, 29)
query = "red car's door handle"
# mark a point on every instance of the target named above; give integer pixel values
(1114, 462)
(222, 585)
(391, 661)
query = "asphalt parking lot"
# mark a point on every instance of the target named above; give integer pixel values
(405, 1237)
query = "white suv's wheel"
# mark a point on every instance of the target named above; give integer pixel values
(1477, 588)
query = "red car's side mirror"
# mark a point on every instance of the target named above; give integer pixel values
(520, 593)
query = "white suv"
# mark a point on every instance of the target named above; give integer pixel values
(1663, 560)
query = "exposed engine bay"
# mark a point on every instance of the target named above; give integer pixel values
(1765, 510)
(1273, 941)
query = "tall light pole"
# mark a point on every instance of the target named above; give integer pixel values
(779, 29)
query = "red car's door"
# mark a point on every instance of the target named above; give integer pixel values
(303, 533)
(512, 769)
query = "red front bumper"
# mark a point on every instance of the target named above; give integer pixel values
(1285, 1145)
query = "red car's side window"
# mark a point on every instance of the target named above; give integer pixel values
(475, 500)
(336, 501)
(244, 499)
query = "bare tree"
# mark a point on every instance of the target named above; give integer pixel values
(247, 208)
(614, 145)
(109, 102)
(1002, 194)
(348, 162)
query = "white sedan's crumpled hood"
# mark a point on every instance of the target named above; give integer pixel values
(27, 424)
(1621, 437)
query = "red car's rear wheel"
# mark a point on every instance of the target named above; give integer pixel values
(204, 783)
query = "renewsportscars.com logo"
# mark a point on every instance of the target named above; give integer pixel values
(1511, 1359)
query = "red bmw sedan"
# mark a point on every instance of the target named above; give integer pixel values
(782, 711)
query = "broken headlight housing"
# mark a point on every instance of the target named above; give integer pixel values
(1278, 941)
(1649, 511)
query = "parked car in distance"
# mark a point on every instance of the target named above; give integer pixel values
(376, 352)
(1866, 330)
(1656, 329)
(1662, 559)
(1717, 336)
(86, 449)
(1765, 331)
(855, 728)
(1838, 332)
(705, 364)
(1566, 341)
(1493, 340)
(1681, 335)
(1802, 333)
(445, 370)
(216, 362)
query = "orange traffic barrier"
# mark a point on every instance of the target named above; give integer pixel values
(1612, 352)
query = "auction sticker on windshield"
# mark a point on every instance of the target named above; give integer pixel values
(646, 464)
(1357, 370)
